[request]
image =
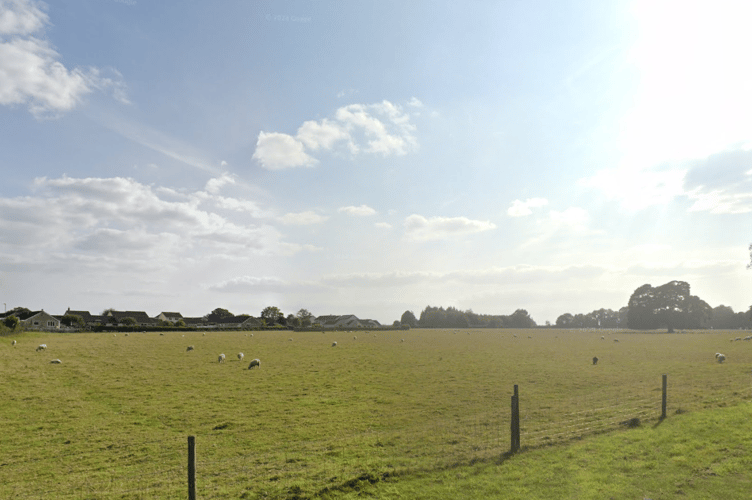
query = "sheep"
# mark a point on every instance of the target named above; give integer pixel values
(13, 343)
(720, 357)
(41, 347)
(334, 344)
(255, 362)
(56, 362)
(603, 338)
(616, 340)
(240, 356)
(221, 358)
(189, 348)
(355, 338)
(595, 360)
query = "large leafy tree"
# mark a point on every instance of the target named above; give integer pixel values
(304, 317)
(408, 318)
(73, 321)
(218, 314)
(669, 306)
(272, 316)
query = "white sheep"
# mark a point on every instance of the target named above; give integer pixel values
(255, 362)
(240, 356)
(603, 338)
(41, 347)
(189, 348)
(355, 338)
(334, 344)
(13, 343)
(720, 357)
(221, 358)
(56, 362)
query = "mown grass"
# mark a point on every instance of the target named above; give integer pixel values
(698, 455)
(112, 421)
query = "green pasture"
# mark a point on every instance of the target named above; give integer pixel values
(112, 420)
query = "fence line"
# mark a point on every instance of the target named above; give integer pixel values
(158, 468)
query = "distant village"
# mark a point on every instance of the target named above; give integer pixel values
(41, 320)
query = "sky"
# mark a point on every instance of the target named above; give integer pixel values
(373, 157)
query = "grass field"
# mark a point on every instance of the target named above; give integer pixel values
(112, 420)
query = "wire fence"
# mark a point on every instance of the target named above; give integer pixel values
(228, 467)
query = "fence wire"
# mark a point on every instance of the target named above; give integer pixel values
(158, 469)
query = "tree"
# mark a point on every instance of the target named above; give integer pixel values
(218, 314)
(669, 305)
(304, 318)
(164, 323)
(565, 320)
(73, 321)
(408, 318)
(11, 322)
(128, 321)
(272, 316)
(107, 311)
(520, 319)
(396, 323)
(292, 320)
(180, 323)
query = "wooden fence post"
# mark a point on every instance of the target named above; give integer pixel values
(663, 399)
(191, 467)
(515, 423)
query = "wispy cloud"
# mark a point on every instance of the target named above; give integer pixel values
(302, 218)
(361, 211)
(421, 228)
(522, 208)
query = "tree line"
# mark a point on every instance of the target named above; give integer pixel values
(670, 306)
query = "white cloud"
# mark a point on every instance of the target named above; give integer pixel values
(381, 128)
(83, 221)
(302, 218)
(215, 184)
(383, 225)
(522, 208)
(420, 228)
(323, 134)
(30, 70)
(415, 103)
(245, 284)
(363, 210)
(277, 151)
(720, 202)
(20, 17)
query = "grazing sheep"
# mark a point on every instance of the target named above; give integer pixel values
(221, 358)
(255, 362)
(41, 347)
(595, 360)
(616, 340)
(290, 340)
(56, 362)
(720, 357)
(334, 344)
(355, 338)
(240, 356)
(603, 338)
(13, 343)
(189, 348)
(126, 334)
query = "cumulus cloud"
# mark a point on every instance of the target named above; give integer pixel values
(421, 228)
(302, 218)
(363, 210)
(522, 208)
(215, 184)
(30, 70)
(721, 183)
(83, 221)
(275, 151)
(382, 128)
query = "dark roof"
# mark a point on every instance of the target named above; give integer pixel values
(85, 315)
(140, 316)
(171, 314)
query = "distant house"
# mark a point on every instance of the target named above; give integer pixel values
(238, 322)
(142, 319)
(172, 317)
(36, 320)
(345, 321)
(89, 319)
(195, 322)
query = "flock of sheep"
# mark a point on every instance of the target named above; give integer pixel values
(720, 358)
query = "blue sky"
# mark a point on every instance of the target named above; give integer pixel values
(373, 157)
